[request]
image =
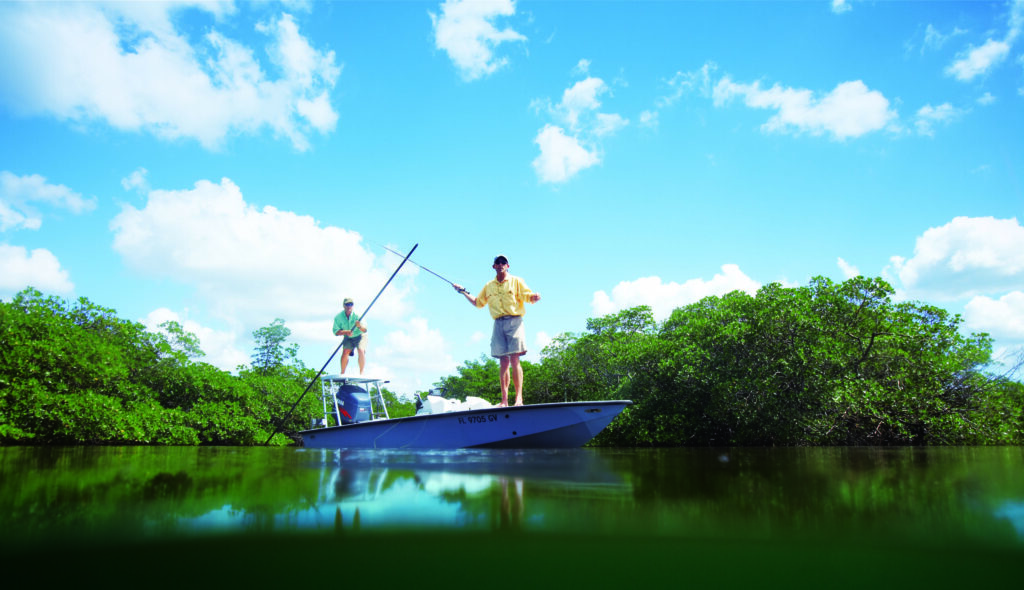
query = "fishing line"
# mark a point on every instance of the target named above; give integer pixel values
(419, 265)
(321, 371)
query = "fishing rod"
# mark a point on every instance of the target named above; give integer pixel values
(320, 372)
(460, 290)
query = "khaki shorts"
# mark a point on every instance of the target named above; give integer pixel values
(508, 336)
(350, 343)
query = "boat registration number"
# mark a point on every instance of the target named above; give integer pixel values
(478, 419)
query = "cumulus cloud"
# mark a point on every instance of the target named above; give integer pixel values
(849, 271)
(136, 181)
(20, 194)
(928, 116)
(934, 39)
(39, 268)
(581, 97)
(411, 356)
(966, 257)
(542, 339)
(126, 64)
(465, 30)
(572, 143)
(220, 346)
(840, 6)
(251, 265)
(1003, 318)
(665, 297)
(561, 156)
(849, 110)
(977, 61)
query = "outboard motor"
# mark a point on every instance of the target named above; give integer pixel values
(353, 404)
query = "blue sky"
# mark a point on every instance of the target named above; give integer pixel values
(225, 164)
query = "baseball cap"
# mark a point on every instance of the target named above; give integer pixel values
(500, 257)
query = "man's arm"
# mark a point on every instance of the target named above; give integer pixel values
(465, 293)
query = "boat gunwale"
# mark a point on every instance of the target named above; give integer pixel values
(623, 402)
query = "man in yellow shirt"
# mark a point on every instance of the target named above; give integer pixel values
(505, 296)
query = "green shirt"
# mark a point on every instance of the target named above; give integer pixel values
(343, 322)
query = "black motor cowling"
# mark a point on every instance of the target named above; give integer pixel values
(353, 404)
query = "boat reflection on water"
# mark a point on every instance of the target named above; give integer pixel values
(473, 489)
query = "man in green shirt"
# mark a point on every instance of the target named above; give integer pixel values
(347, 324)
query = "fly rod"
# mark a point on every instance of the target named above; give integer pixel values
(320, 372)
(424, 268)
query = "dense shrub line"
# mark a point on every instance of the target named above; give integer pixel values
(75, 373)
(824, 364)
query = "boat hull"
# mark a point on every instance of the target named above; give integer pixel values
(547, 426)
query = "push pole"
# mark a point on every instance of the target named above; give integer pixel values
(331, 358)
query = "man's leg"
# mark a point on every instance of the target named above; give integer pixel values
(517, 378)
(362, 359)
(344, 359)
(503, 369)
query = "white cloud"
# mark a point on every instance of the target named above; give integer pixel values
(840, 6)
(561, 156)
(136, 181)
(683, 83)
(220, 346)
(542, 339)
(411, 356)
(978, 60)
(935, 39)
(665, 297)
(928, 116)
(649, 118)
(580, 98)
(849, 110)
(608, 124)
(19, 193)
(125, 64)
(20, 268)
(1002, 318)
(967, 256)
(849, 270)
(986, 99)
(252, 265)
(466, 31)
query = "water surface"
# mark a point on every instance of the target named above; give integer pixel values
(907, 510)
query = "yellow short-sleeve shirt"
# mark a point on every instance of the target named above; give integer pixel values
(506, 297)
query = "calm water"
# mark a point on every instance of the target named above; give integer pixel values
(802, 508)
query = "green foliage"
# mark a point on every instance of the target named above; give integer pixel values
(397, 408)
(825, 364)
(77, 374)
(271, 352)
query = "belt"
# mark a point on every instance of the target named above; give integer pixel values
(506, 317)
